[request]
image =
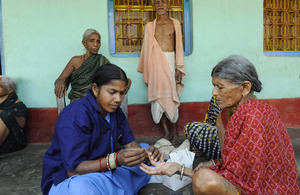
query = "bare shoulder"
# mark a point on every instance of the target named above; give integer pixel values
(76, 61)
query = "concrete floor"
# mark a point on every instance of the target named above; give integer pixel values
(21, 171)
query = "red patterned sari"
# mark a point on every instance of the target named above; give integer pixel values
(258, 155)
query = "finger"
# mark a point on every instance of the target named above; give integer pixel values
(162, 156)
(155, 154)
(152, 161)
(149, 172)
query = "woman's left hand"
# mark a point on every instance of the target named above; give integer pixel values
(161, 168)
(154, 153)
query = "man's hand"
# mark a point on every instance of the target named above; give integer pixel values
(60, 87)
(178, 77)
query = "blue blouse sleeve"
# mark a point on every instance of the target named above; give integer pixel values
(126, 135)
(74, 133)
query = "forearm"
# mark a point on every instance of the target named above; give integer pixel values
(188, 172)
(133, 144)
(85, 167)
(21, 121)
(221, 131)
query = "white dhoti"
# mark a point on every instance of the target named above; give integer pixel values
(156, 109)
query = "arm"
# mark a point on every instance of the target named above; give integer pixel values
(221, 130)
(60, 83)
(165, 168)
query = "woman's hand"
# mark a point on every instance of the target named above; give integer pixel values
(162, 168)
(154, 153)
(131, 156)
(60, 87)
(204, 165)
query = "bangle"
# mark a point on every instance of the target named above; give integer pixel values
(112, 163)
(213, 162)
(100, 164)
(116, 158)
(107, 162)
(182, 169)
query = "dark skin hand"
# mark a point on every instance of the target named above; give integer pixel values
(131, 156)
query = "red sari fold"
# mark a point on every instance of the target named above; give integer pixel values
(258, 155)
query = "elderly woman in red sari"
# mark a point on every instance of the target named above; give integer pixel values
(257, 154)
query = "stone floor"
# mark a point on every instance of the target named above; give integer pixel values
(21, 171)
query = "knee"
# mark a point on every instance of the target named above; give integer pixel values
(204, 181)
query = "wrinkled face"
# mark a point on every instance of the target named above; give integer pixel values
(4, 89)
(161, 7)
(110, 96)
(93, 44)
(228, 95)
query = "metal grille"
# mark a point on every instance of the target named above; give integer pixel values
(131, 16)
(281, 25)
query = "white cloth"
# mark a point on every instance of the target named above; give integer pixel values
(156, 109)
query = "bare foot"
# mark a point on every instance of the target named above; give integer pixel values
(176, 141)
(167, 136)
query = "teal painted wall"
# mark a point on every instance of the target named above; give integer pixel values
(40, 37)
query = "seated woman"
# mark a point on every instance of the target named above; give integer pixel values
(203, 136)
(83, 158)
(12, 117)
(257, 154)
(80, 69)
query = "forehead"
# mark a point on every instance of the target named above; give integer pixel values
(116, 84)
(94, 36)
(218, 81)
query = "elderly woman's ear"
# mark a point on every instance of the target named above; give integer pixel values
(128, 85)
(246, 88)
(11, 91)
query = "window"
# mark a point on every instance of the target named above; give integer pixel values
(127, 20)
(281, 27)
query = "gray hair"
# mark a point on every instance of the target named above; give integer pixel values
(9, 82)
(237, 69)
(88, 33)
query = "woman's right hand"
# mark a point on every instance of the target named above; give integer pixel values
(131, 156)
(60, 87)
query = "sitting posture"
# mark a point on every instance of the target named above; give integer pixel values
(257, 154)
(12, 117)
(83, 157)
(80, 69)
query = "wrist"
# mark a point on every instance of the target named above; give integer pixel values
(59, 80)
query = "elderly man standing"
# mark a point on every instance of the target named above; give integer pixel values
(162, 64)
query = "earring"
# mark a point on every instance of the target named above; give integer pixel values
(95, 94)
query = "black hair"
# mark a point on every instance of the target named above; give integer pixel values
(108, 72)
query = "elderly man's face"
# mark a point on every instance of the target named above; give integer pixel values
(161, 7)
(228, 95)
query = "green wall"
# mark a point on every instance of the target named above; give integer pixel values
(41, 36)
